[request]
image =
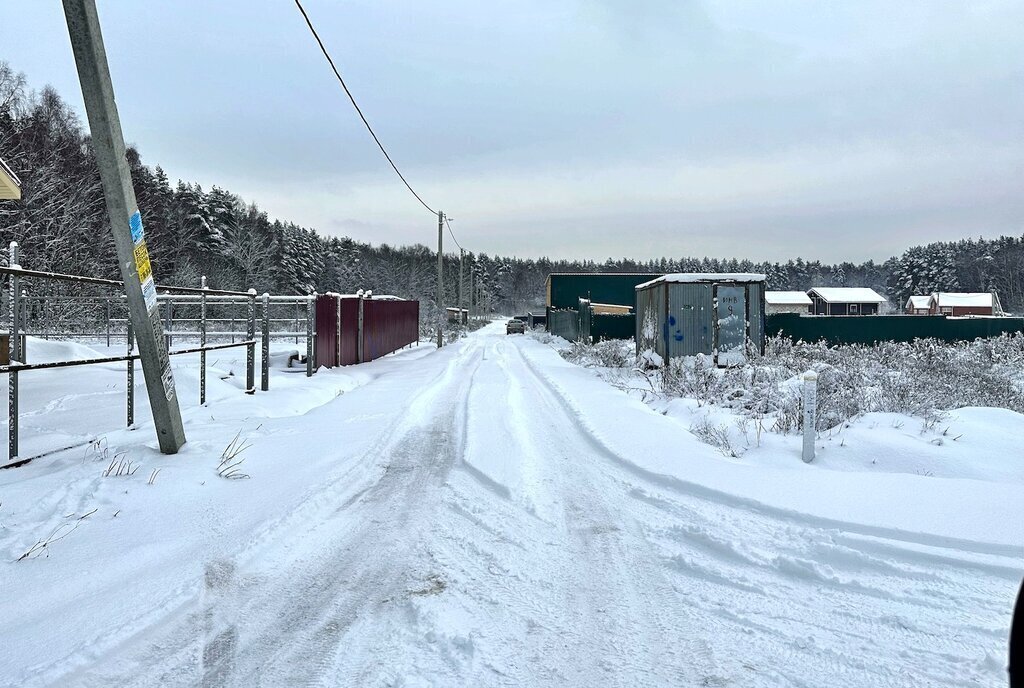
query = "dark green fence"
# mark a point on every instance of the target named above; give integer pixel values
(608, 326)
(868, 329)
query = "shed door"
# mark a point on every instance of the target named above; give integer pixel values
(731, 325)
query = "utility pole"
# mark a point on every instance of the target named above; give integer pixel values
(440, 276)
(125, 220)
(462, 282)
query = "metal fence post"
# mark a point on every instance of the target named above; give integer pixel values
(131, 375)
(309, 334)
(202, 341)
(13, 354)
(250, 348)
(265, 348)
(108, 322)
(810, 380)
(170, 322)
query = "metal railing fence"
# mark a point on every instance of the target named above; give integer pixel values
(43, 316)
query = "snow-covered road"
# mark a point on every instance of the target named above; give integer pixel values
(455, 522)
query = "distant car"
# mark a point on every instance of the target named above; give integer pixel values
(515, 327)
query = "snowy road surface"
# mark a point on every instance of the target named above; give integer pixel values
(456, 521)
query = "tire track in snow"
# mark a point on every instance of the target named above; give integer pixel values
(291, 605)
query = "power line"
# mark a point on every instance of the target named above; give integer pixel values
(323, 49)
(452, 233)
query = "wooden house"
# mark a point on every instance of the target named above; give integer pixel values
(845, 301)
(10, 185)
(918, 305)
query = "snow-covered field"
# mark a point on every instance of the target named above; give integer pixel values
(490, 514)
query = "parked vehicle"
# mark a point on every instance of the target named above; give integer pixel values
(515, 327)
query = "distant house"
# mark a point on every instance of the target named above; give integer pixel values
(962, 303)
(786, 302)
(845, 301)
(10, 185)
(918, 305)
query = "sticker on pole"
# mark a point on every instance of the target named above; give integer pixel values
(149, 294)
(135, 223)
(168, 380)
(142, 265)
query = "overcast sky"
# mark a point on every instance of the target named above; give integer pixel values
(748, 128)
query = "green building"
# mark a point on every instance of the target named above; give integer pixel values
(565, 289)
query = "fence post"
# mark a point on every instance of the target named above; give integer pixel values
(170, 322)
(359, 332)
(337, 330)
(13, 355)
(202, 341)
(250, 348)
(265, 349)
(131, 375)
(309, 334)
(108, 322)
(810, 384)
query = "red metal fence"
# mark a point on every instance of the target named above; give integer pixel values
(387, 325)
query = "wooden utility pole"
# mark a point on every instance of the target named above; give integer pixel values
(125, 220)
(440, 276)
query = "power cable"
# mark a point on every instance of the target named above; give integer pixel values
(453, 233)
(323, 49)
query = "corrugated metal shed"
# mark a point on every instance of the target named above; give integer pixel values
(709, 314)
(564, 289)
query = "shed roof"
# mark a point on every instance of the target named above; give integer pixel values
(689, 277)
(848, 294)
(10, 185)
(948, 299)
(919, 301)
(787, 298)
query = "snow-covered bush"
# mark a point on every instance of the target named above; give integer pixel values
(919, 378)
(611, 353)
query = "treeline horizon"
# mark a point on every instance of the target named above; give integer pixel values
(61, 224)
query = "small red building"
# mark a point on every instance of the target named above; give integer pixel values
(962, 303)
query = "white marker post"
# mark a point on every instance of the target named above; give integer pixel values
(810, 412)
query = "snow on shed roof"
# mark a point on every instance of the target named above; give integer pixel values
(948, 299)
(787, 298)
(918, 301)
(848, 294)
(678, 277)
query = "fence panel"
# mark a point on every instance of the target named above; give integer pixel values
(326, 330)
(349, 331)
(868, 329)
(388, 326)
(564, 323)
(612, 326)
